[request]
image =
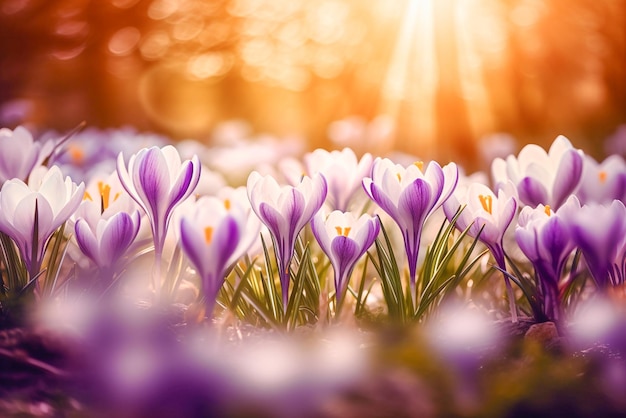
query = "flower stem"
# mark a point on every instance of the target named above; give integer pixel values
(156, 271)
(284, 287)
(498, 254)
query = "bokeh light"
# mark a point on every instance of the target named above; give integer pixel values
(445, 73)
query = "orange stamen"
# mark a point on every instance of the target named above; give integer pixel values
(419, 164)
(76, 154)
(105, 193)
(602, 176)
(343, 231)
(547, 210)
(227, 204)
(487, 202)
(208, 234)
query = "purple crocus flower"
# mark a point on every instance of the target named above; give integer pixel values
(31, 213)
(285, 210)
(540, 177)
(107, 241)
(158, 181)
(488, 215)
(409, 195)
(210, 235)
(344, 239)
(545, 237)
(600, 233)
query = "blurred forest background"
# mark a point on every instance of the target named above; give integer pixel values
(435, 77)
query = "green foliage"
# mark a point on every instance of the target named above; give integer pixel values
(441, 272)
(570, 288)
(254, 294)
(18, 285)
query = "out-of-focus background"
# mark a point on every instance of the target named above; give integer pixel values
(436, 77)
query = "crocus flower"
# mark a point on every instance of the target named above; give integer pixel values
(488, 216)
(19, 153)
(285, 210)
(31, 213)
(602, 182)
(210, 235)
(108, 240)
(600, 233)
(342, 170)
(484, 211)
(344, 239)
(238, 196)
(104, 196)
(158, 181)
(540, 177)
(545, 237)
(409, 195)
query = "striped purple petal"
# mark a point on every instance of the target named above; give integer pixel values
(152, 178)
(119, 233)
(532, 192)
(345, 253)
(86, 240)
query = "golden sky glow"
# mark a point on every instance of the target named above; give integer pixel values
(445, 73)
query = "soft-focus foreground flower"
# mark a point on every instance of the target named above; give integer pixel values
(344, 239)
(19, 154)
(600, 233)
(409, 195)
(285, 210)
(602, 182)
(343, 172)
(210, 236)
(31, 213)
(488, 216)
(544, 236)
(540, 177)
(158, 181)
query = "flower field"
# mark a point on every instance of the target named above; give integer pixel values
(144, 278)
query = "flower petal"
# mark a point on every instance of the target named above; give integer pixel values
(86, 240)
(119, 233)
(532, 192)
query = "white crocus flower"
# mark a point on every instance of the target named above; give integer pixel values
(19, 153)
(31, 213)
(540, 177)
(344, 173)
(602, 182)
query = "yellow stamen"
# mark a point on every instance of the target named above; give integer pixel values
(87, 196)
(343, 231)
(399, 176)
(487, 202)
(76, 154)
(208, 234)
(547, 210)
(602, 176)
(105, 193)
(227, 204)
(419, 164)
